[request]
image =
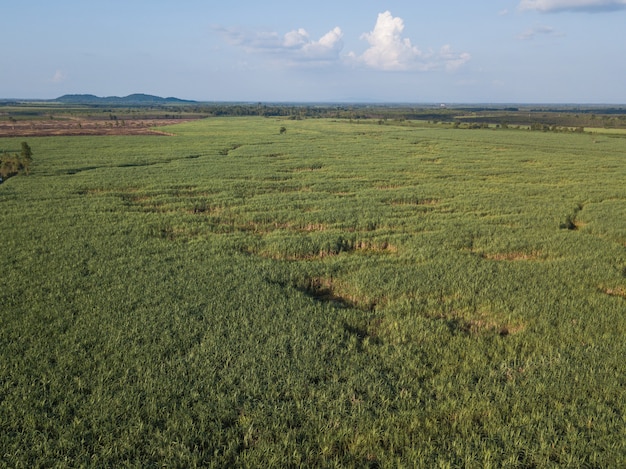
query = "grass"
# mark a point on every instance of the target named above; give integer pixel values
(341, 294)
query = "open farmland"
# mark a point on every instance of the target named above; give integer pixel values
(270, 292)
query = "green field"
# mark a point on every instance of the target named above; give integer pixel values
(341, 294)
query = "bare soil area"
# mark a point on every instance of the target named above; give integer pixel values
(67, 127)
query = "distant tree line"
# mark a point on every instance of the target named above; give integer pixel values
(12, 164)
(566, 116)
(546, 121)
(528, 117)
(336, 111)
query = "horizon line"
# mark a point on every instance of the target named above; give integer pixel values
(351, 101)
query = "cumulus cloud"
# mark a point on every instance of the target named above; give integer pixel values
(294, 46)
(536, 31)
(547, 6)
(296, 38)
(389, 50)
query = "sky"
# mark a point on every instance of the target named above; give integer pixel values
(418, 51)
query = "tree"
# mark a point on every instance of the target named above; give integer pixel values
(27, 152)
(26, 157)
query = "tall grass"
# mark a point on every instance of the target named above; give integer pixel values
(336, 294)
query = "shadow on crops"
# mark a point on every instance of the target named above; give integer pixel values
(324, 290)
(458, 325)
(362, 332)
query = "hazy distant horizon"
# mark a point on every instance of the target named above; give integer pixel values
(437, 104)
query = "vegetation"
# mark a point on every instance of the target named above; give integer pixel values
(341, 294)
(16, 163)
(140, 106)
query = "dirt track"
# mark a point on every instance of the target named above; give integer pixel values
(60, 127)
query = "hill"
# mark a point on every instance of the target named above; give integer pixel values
(137, 99)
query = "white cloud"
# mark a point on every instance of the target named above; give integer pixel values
(451, 60)
(572, 5)
(296, 38)
(536, 31)
(326, 48)
(293, 47)
(390, 51)
(58, 77)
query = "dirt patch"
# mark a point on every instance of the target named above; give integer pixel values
(74, 127)
(314, 227)
(513, 256)
(618, 291)
(372, 246)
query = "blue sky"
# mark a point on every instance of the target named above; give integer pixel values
(492, 51)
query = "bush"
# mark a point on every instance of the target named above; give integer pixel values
(14, 164)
